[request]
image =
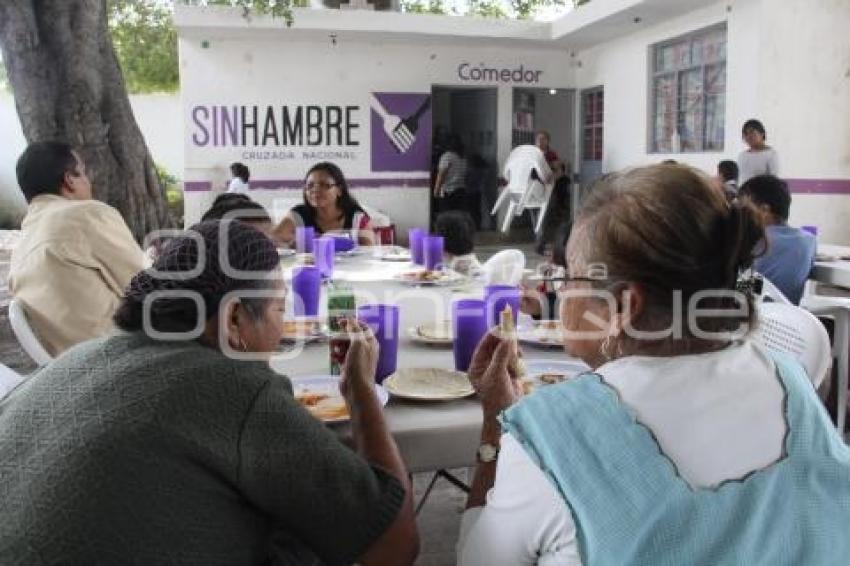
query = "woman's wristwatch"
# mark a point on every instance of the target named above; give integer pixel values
(487, 453)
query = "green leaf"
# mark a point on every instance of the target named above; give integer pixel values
(145, 41)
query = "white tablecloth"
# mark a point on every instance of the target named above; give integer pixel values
(430, 436)
(833, 272)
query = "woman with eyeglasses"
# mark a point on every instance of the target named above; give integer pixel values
(687, 443)
(328, 207)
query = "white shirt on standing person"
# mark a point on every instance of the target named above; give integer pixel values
(453, 167)
(237, 185)
(759, 158)
(752, 163)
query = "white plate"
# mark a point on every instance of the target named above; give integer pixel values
(435, 333)
(538, 334)
(355, 252)
(535, 369)
(285, 253)
(329, 385)
(395, 254)
(446, 278)
(429, 384)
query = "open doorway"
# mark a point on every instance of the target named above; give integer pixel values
(470, 114)
(552, 111)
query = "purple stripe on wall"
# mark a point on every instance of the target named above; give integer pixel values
(298, 184)
(197, 186)
(798, 186)
(819, 186)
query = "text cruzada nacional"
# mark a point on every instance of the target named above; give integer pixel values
(482, 73)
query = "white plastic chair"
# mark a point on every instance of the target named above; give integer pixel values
(9, 379)
(769, 290)
(838, 309)
(523, 191)
(795, 331)
(25, 334)
(504, 268)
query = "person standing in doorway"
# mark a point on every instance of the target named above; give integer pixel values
(542, 141)
(759, 159)
(450, 186)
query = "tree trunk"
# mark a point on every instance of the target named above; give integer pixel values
(68, 86)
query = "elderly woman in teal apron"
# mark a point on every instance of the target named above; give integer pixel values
(688, 443)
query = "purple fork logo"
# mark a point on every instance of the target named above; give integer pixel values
(401, 131)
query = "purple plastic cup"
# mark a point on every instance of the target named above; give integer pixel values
(383, 320)
(343, 242)
(416, 238)
(433, 248)
(813, 230)
(323, 250)
(306, 287)
(496, 297)
(469, 325)
(304, 236)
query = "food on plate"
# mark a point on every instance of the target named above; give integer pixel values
(438, 331)
(529, 384)
(395, 252)
(548, 331)
(424, 276)
(508, 328)
(429, 384)
(309, 398)
(323, 406)
(300, 328)
(552, 378)
(305, 259)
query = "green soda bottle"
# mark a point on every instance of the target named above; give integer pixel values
(341, 306)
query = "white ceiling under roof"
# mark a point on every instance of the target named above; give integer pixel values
(603, 20)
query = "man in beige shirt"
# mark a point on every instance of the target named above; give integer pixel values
(76, 255)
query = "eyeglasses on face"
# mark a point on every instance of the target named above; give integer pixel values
(560, 283)
(557, 278)
(318, 187)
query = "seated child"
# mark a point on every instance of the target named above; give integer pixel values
(458, 231)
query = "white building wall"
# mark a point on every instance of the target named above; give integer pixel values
(269, 71)
(159, 116)
(622, 67)
(804, 96)
(12, 203)
(788, 64)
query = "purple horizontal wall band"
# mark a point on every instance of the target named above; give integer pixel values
(298, 184)
(197, 186)
(798, 186)
(819, 186)
(291, 184)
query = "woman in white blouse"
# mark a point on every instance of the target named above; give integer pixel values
(759, 158)
(688, 444)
